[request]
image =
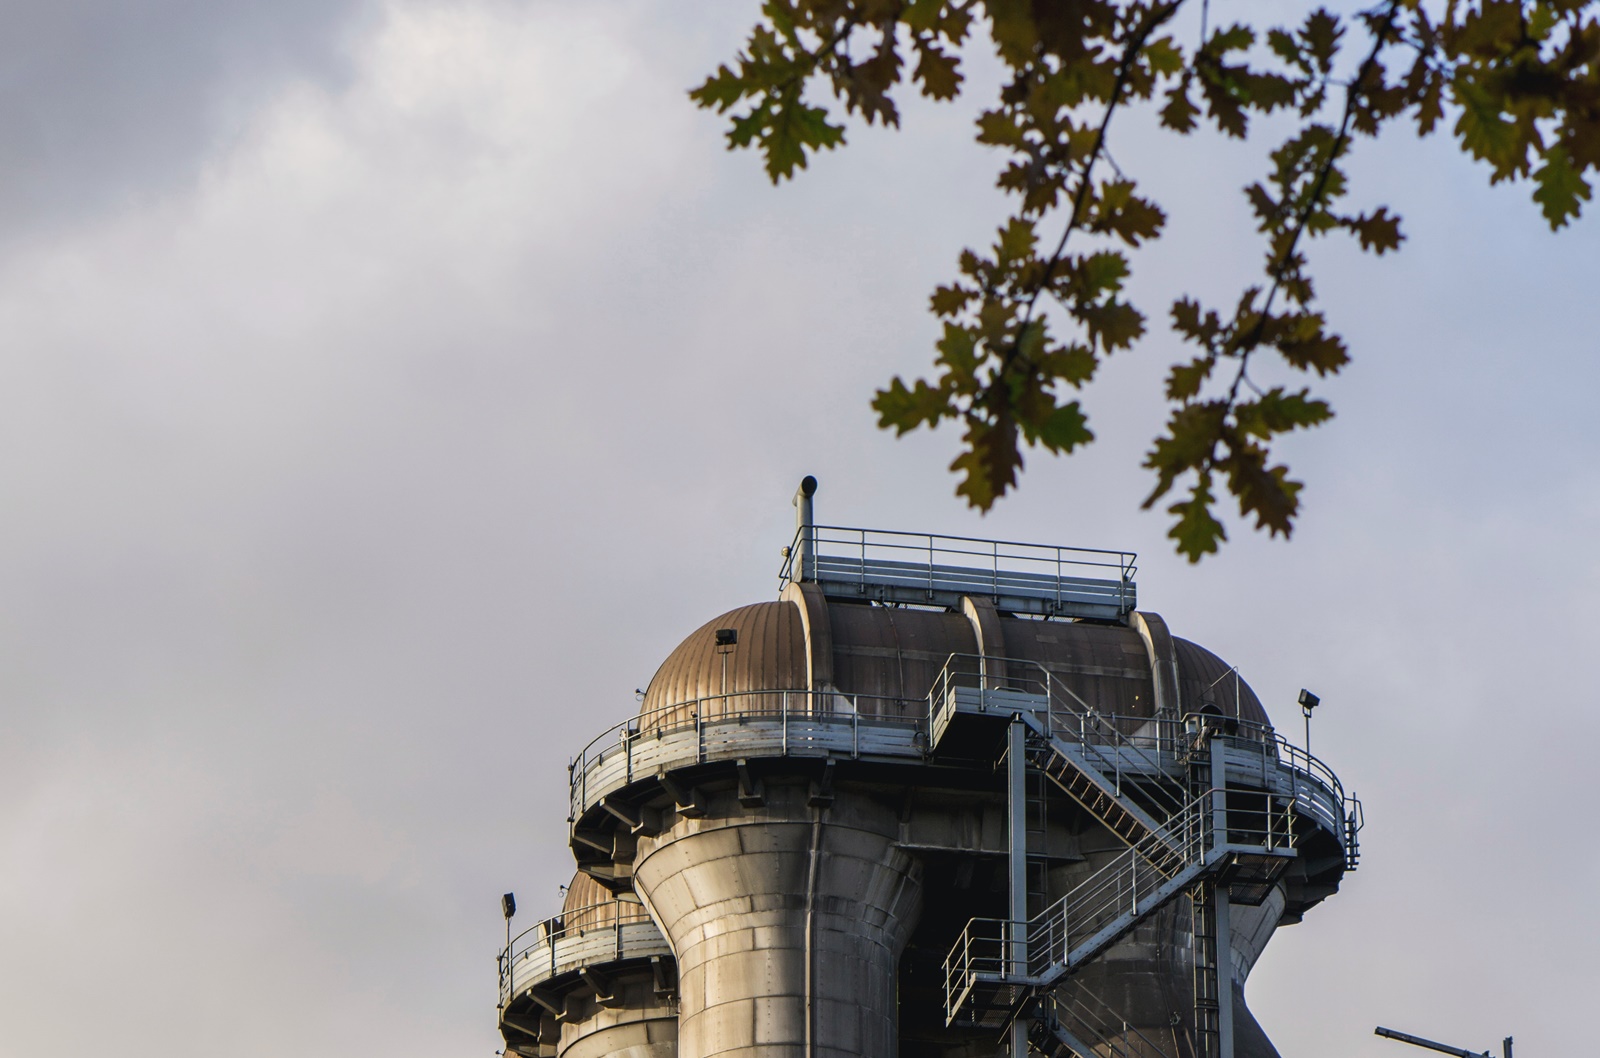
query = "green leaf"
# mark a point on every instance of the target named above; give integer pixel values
(1187, 321)
(1074, 364)
(1561, 188)
(1180, 112)
(923, 15)
(1098, 273)
(958, 350)
(1483, 130)
(1184, 380)
(1164, 56)
(1196, 530)
(1065, 429)
(1284, 46)
(904, 409)
(997, 128)
(1236, 37)
(796, 128)
(1017, 241)
(949, 300)
(938, 72)
(1266, 493)
(1321, 34)
(1277, 411)
(721, 90)
(988, 466)
(1115, 324)
(1378, 231)
(1193, 431)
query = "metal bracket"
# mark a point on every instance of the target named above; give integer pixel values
(605, 989)
(640, 820)
(822, 789)
(665, 974)
(752, 794)
(544, 999)
(686, 799)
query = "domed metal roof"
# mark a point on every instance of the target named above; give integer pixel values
(890, 656)
(590, 905)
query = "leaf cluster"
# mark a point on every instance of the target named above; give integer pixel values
(1027, 322)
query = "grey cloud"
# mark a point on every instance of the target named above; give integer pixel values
(108, 103)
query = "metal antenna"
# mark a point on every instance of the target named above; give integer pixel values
(1460, 1052)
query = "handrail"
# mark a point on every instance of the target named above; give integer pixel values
(809, 538)
(1070, 718)
(1108, 901)
(546, 932)
(784, 705)
(1099, 1028)
(1114, 890)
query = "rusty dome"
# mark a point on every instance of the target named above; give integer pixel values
(885, 660)
(590, 905)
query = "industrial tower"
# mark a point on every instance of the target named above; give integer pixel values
(943, 798)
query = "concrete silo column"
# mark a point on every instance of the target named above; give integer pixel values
(787, 919)
(634, 1021)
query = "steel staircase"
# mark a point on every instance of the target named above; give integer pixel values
(1180, 835)
(983, 979)
(1077, 1024)
(1093, 776)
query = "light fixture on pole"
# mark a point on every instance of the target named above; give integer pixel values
(508, 907)
(1308, 702)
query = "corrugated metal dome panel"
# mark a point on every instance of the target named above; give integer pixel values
(1204, 678)
(1105, 665)
(770, 654)
(894, 653)
(590, 905)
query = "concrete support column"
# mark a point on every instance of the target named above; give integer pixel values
(787, 919)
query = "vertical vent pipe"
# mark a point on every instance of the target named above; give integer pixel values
(802, 560)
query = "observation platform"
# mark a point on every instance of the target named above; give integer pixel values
(617, 776)
(927, 569)
(548, 955)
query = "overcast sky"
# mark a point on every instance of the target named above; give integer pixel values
(386, 387)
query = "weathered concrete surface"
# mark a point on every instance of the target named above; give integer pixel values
(787, 920)
(633, 1023)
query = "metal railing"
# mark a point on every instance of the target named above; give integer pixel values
(1138, 879)
(1137, 761)
(1119, 889)
(801, 717)
(1151, 742)
(1092, 1021)
(969, 565)
(1140, 750)
(1133, 747)
(985, 949)
(537, 948)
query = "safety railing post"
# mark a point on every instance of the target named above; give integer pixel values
(1133, 872)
